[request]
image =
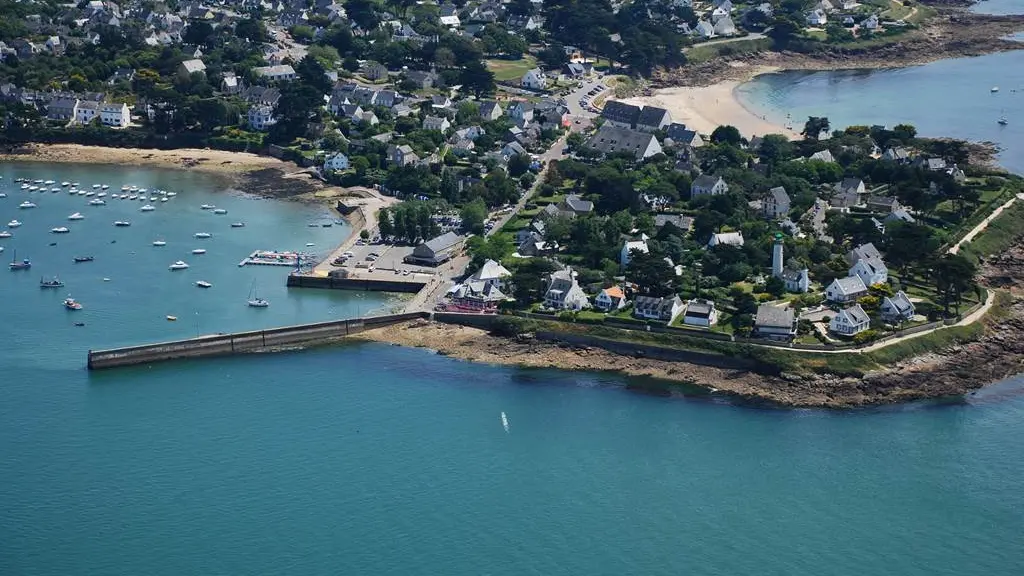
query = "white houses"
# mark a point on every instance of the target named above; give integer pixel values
(730, 238)
(491, 273)
(629, 247)
(776, 203)
(564, 293)
(86, 111)
(897, 308)
(652, 308)
(534, 79)
(847, 289)
(850, 321)
(610, 299)
(708, 185)
(261, 117)
(775, 322)
(870, 270)
(278, 72)
(336, 162)
(700, 313)
(115, 114)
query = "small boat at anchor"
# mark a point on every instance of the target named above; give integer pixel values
(72, 304)
(60, 230)
(25, 264)
(220, 211)
(13, 224)
(203, 235)
(199, 251)
(159, 243)
(147, 208)
(238, 224)
(76, 216)
(254, 300)
(203, 284)
(207, 207)
(97, 202)
(122, 223)
(79, 259)
(54, 283)
(26, 204)
(179, 265)
(5, 234)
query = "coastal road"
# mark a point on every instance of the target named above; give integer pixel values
(983, 224)
(555, 152)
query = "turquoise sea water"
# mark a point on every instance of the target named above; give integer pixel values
(999, 7)
(372, 459)
(945, 98)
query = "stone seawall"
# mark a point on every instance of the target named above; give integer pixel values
(239, 342)
(361, 284)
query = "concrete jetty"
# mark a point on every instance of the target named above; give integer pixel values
(240, 342)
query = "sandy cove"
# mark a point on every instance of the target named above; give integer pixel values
(704, 108)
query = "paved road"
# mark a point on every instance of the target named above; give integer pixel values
(555, 152)
(983, 224)
(751, 36)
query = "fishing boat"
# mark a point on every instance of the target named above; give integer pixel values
(203, 284)
(199, 251)
(13, 224)
(71, 304)
(203, 235)
(25, 264)
(60, 230)
(238, 224)
(179, 265)
(254, 300)
(79, 259)
(55, 283)
(76, 216)
(26, 204)
(97, 202)
(122, 223)
(146, 208)
(159, 243)
(220, 211)
(207, 207)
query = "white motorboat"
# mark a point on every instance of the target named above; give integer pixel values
(33, 188)
(220, 211)
(238, 224)
(146, 208)
(203, 235)
(83, 193)
(122, 223)
(13, 224)
(3, 195)
(95, 186)
(207, 207)
(104, 186)
(97, 202)
(55, 189)
(199, 251)
(179, 265)
(203, 284)
(5, 234)
(65, 184)
(90, 193)
(76, 216)
(49, 182)
(101, 195)
(172, 194)
(60, 230)
(26, 204)
(994, 89)
(164, 199)
(159, 243)
(25, 186)
(125, 188)
(152, 198)
(132, 197)
(143, 190)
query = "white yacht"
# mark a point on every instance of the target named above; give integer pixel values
(76, 216)
(220, 211)
(203, 284)
(146, 208)
(60, 230)
(199, 251)
(179, 265)
(159, 243)
(13, 224)
(101, 195)
(203, 235)
(5, 234)
(26, 204)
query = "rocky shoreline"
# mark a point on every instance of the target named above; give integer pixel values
(949, 372)
(955, 33)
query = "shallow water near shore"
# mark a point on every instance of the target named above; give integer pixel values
(945, 98)
(374, 459)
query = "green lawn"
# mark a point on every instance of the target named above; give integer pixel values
(506, 70)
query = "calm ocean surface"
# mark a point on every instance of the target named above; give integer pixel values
(945, 98)
(371, 459)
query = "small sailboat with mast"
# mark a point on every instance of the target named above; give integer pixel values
(254, 299)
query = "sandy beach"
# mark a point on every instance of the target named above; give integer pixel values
(219, 161)
(705, 108)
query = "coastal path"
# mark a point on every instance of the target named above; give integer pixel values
(983, 224)
(751, 36)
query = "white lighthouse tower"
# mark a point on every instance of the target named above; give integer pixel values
(777, 261)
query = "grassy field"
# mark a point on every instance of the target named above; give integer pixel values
(1000, 234)
(702, 53)
(506, 70)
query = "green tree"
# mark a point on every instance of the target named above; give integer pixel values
(252, 30)
(814, 126)
(953, 275)
(726, 134)
(651, 273)
(473, 215)
(477, 79)
(529, 280)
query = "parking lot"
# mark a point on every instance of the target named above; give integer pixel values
(364, 259)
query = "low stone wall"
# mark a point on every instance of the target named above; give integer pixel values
(254, 341)
(361, 284)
